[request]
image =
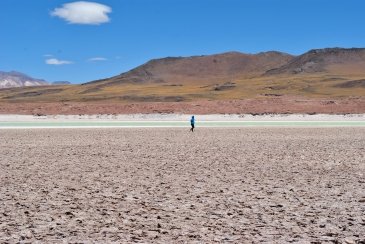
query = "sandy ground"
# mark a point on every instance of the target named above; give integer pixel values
(171, 186)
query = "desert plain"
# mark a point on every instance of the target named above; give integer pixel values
(166, 185)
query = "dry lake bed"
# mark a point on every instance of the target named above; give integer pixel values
(166, 185)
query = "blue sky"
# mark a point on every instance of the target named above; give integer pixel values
(123, 34)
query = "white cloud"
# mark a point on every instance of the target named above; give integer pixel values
(87, 13)
(97, 59)
(55, 61)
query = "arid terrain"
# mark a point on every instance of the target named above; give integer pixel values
(330, 80)
(282, 105)
(243, 185)
(320, 73)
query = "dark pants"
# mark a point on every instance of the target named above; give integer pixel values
(192, 127)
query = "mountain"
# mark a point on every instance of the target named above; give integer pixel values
(330, 60)
(330, 73)
(17, 79)
(200, 69)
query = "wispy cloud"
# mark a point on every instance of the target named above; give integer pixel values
(96, 59)
(47, 55)
(82, 12)
(55, 61)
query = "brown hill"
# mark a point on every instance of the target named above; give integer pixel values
(325, 60)
(331, 74)
(212, 68)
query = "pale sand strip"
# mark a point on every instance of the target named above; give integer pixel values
(173, 124)
(185, 117)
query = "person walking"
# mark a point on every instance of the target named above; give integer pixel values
(192, 123)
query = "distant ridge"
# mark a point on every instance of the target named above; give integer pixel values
(57, 83)
(17, 79)
(320, 60)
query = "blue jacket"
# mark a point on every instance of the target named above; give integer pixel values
(192, 120)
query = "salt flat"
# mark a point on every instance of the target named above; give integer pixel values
(168, 185)
(14, 121)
